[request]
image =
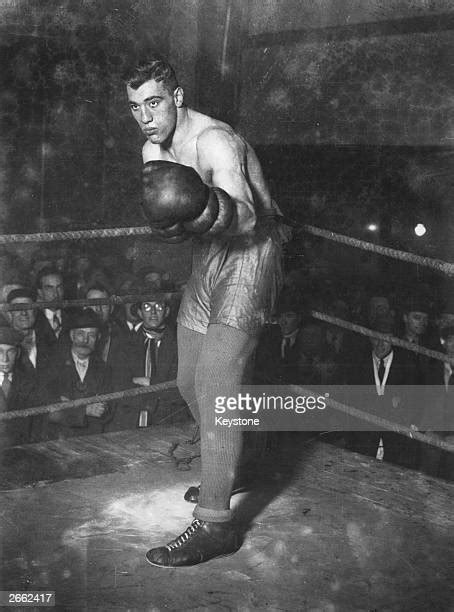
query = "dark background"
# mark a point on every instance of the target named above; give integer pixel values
(349, 103)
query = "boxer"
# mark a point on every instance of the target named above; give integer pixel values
(202, 180)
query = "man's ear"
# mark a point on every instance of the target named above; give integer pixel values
(178, 97)
(71, 335)
(39, 291)
(166, 312)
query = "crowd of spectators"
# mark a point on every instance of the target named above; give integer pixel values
(53, 353)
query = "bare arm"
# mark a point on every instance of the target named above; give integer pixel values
(222, 156)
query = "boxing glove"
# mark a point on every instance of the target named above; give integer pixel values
(176, 200)
(172, 193)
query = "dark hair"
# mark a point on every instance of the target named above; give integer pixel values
(46, 271)
(151, 69)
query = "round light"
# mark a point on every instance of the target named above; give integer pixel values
(420, 229)
(372, 227)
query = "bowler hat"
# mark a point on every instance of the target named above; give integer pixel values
(82, 318)
(21, 292)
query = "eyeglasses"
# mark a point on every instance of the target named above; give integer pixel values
(148, 306)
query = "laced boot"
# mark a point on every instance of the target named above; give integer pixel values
(201, 542)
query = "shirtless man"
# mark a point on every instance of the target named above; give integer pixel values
(203, 181)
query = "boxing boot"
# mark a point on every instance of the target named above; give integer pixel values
(201, 542)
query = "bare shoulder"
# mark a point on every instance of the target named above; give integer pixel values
(219, 140)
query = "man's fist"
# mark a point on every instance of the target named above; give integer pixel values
(172, 193)
(95, 410)
(177, 202)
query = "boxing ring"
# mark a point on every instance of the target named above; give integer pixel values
(329, 529)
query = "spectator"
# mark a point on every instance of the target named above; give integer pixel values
(380, 382)
(156, 346)
(278, 349)
(36, 347)
(18, 390)
(76, 372)
(113, 345)
(51, 321)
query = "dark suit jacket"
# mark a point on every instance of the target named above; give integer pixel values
(270, 367)
(167, 356)
(158, 405)
(46, 334)
(399, 404)
(62, 379)
(23, 394)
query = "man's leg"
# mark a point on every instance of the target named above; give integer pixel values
(189, 347)
(219, 372)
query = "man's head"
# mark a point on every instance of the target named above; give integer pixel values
(289, 313)
(151, 276)
(447, 340)
(154, 97)
(10, 341)
(416, 317)
(153, 312)
(384, 325)
(49, 284)
(83, 332)
(22, 320)
(96, 292)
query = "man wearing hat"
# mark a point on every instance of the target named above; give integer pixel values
(76, 372)
(278, 350)
(17, 389)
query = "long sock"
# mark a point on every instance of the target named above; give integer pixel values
(219, 371)
(189, 347)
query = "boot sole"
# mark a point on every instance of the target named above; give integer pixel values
(192, 564)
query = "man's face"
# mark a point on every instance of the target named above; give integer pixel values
(378, 307)
(83, 340)
(154, 108)
(289, 322)
(22, 320)
(51, 289)
(153, 314)
(154, 278)
(381, 347)
(102, 310)
(8, 356)
(415, 323)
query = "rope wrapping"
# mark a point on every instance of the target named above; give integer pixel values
(365, 331)
(105, 397)
(436, 264)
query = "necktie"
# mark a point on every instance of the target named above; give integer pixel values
(381, 370)
(285, 347)
(150, 356)
(6, 384)
(56, 324)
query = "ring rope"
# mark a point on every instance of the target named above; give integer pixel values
(436, 264)
(113, 300)
(108, 232)
(409, 432)
(365, 331)
(84, 401)
(128, 299)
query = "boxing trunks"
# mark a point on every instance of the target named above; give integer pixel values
(235, 281)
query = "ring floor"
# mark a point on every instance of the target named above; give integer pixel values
(328, 530)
